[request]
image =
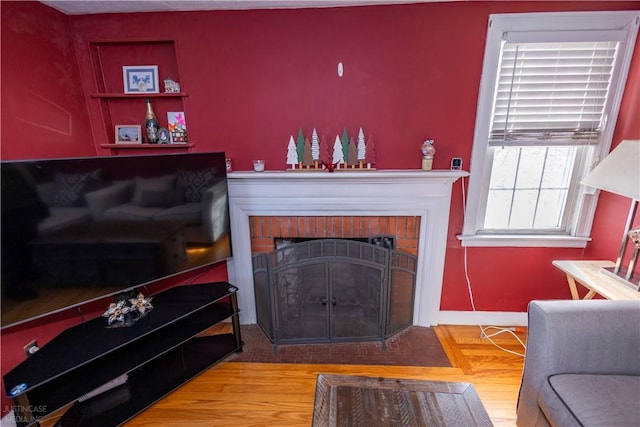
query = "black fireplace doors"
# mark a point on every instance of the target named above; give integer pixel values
(332, 290)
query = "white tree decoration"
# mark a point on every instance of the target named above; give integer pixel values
(315, 148)
(338, 155)
(362, 148)
(292, 153)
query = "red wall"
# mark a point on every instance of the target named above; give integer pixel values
(410, 72)
(44, 113)
(256, 77)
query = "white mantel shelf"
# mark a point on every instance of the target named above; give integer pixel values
(346, 174)
(345, 193)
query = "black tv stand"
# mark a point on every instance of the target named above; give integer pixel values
(154, 356)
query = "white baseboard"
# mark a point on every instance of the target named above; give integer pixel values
(485, 318)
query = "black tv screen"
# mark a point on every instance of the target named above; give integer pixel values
(78, 229)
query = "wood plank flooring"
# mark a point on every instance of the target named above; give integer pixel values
(257, 394)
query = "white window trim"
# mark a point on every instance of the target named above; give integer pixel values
(478, 182)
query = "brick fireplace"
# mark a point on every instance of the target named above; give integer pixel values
(265, 229)
(333, 278)
(413, 206)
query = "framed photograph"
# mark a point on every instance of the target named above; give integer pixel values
(140, 79)
(164, 136)
(177, 127)
(128, 134)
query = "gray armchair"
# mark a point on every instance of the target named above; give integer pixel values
(582, 364)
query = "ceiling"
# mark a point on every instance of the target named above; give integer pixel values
(82, 7)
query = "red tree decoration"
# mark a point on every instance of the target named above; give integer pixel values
(370, 154)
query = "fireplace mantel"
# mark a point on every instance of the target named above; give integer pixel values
(366, 193)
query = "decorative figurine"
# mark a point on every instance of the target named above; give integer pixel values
(116, 313)
(141, 304)
(125, 312)
(171, 86)
(316, 154)
(428, 151)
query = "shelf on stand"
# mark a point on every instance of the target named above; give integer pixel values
(158, 353)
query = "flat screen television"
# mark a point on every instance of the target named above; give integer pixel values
(78, 229)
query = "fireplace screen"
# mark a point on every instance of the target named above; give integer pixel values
(333, 290)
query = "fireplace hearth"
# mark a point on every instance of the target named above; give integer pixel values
(333, 290)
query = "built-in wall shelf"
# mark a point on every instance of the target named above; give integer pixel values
(139, 95)
(145, 146)
(110, 106)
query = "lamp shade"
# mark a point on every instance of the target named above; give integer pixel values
(619, 172)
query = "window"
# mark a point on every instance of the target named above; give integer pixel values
(549, 96)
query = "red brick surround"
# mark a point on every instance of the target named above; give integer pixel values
(264, 229)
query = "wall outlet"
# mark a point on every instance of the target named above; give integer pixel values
(31, 348)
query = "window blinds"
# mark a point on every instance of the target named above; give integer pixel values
(552, 93)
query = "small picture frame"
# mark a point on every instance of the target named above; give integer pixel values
(164, 136)
(128, 134)
(177, 127)
(140, 79)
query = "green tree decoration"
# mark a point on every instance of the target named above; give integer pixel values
(300, 147)
(345, 146)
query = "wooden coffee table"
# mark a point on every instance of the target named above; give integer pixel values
(351, 401)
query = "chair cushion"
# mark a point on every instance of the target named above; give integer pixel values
(158, 191)
(100, 201)
(591, 400)
(186, 213)
(131, 212)
(62, 217)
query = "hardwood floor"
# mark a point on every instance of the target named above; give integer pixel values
(255, 394)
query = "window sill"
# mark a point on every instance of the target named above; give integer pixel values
(522, 241)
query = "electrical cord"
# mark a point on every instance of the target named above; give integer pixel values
(483, 329)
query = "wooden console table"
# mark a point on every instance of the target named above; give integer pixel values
(588, 274)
